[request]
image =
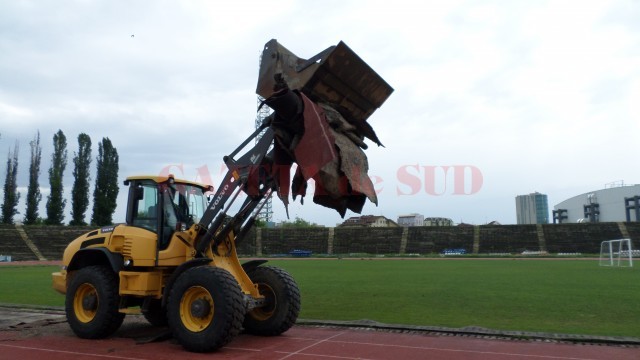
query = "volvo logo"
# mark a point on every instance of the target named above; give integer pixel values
(219, 197)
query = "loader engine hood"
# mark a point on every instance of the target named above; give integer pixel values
(92, 239)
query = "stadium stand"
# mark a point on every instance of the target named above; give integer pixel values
(52, 240)
(11, 244)
(561, 239)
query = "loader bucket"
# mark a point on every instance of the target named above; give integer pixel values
(336, 75)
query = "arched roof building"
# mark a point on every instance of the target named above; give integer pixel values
(613, 204)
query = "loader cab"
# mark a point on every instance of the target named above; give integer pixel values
(164, 205)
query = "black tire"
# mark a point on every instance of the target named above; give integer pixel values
(205, 309)
(92, 302)
(282, 305)
(155, 314)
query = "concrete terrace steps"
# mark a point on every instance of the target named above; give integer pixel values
(11, 244)
(29, 243)
(37, 242)
(51, 241)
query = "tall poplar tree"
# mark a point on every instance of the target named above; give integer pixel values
(105, 193)
(33, 191)
(11, 194)
(80, 191)
(55, 200)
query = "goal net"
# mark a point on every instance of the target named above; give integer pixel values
(616, 253)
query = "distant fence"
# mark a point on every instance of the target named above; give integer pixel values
(582, 238)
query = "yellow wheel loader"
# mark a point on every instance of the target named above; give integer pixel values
(166, 263)
(175, 260)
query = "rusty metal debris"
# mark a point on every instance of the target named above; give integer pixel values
(337, 76)
(321, 105)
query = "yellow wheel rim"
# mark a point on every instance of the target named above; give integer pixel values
(196, 308)
(85, 303)
(265, 312)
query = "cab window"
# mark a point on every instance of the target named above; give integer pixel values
(188, 203)
(146, 215)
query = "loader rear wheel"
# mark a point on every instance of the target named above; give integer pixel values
(205, 308)
(282, 302)
(92, 301)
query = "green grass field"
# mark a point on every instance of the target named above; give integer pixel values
(562, 296)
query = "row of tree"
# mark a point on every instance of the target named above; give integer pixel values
(105, 191)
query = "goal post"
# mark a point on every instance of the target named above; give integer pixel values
(616, 253)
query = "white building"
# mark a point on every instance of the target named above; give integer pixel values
(411, 220)
(368, 221)
(613, 204)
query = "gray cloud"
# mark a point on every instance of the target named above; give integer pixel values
(535, 95)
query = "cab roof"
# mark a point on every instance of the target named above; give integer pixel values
(162, 179)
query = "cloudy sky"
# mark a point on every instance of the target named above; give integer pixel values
(492, 99)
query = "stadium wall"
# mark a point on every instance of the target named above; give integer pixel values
(582, 238)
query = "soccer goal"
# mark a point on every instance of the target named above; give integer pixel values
(616, 253)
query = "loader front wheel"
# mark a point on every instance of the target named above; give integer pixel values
(282, 302)
(92, 301)
(205, 309)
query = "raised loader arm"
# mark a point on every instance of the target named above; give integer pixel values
(251, 174)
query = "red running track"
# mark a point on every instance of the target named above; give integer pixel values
(302, 343)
